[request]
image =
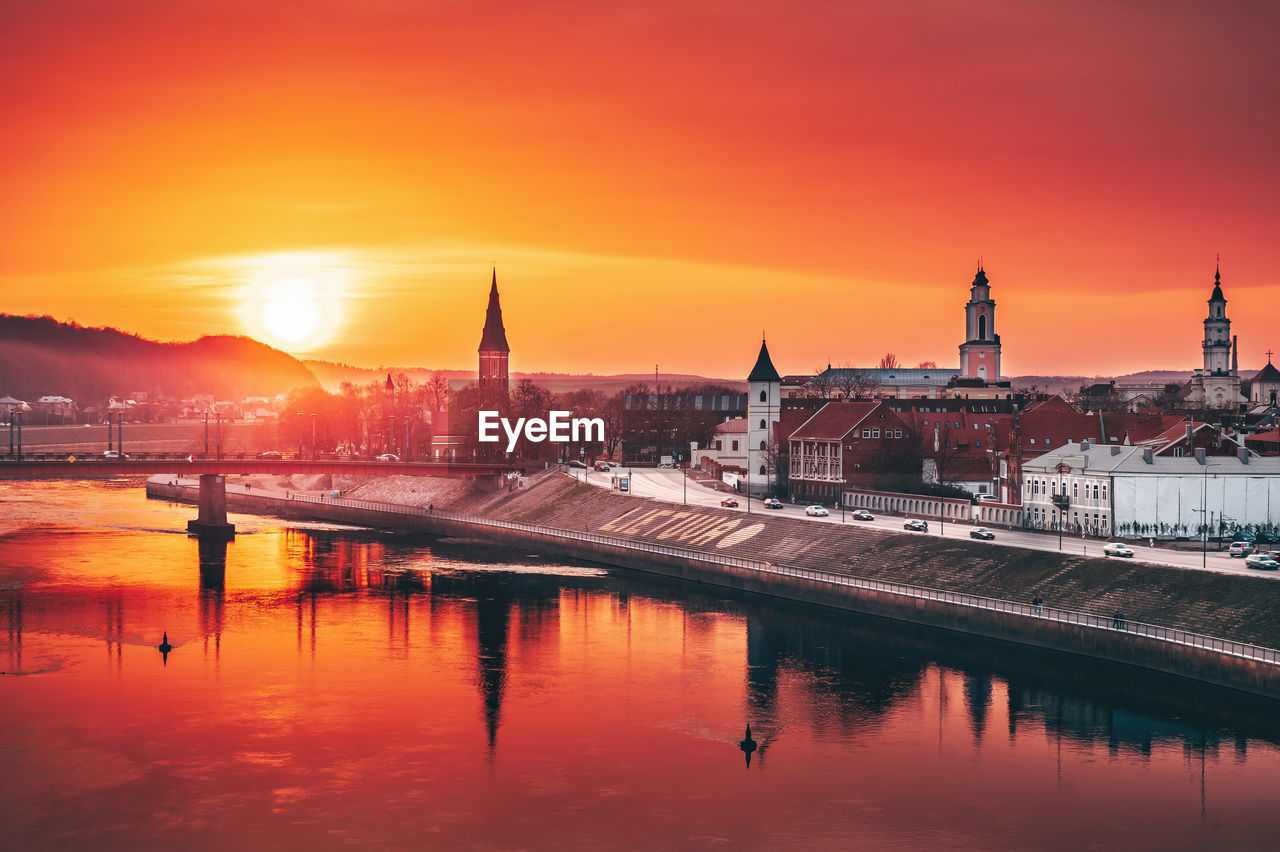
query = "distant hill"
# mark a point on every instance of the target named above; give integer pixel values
(40, 356)
(332, 375)
(1061, 384)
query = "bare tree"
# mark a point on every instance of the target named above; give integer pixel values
(437, 390)
(853, 383)
(889, 361)
(822, 382)
(927, 365)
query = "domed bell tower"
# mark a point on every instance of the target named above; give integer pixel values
(980, 353)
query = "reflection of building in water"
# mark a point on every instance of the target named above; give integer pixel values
(1086, 722)
(871, 677)
(977, 699)
(331, 563)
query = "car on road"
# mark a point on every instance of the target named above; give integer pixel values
(1239, 549)
(114, 454)
(270, 455)
(576, 463)
(862, 515)
(1115, 548)
(817, 511)
(916, 525)
(773, 503)
(1243, 536)
(602, 466)
(388, 457)
(730, 502)
(1263, 561)
(983, 533)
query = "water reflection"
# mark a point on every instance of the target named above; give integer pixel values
(389, 686)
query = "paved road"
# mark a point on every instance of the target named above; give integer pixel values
(667, 485)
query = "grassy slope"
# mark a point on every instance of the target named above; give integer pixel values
(1235, 607)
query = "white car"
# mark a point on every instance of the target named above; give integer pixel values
(389, 457)
(816, 512)
(1118, 549)
(1264, 561)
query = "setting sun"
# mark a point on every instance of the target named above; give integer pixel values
(292, 300)
(290, 310)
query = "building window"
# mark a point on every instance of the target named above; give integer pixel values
(1047, 442)
(762, 473)
(764, 395)
(735, 446)
(764, 445)
(875, 433)
(897, 433)
(1104, 491)
(762, 426)
(866, 433)
(1033, 442)
(718, 445)
(977, 444)
(1075, 489)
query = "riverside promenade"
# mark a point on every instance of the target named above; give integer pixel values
(723, 549)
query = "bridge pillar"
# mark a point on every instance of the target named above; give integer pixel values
(212, 518)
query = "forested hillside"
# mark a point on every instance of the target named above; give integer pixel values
(41, 356)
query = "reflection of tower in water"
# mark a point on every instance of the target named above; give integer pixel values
(493, 613)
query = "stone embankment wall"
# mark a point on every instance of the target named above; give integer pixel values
(715, 546)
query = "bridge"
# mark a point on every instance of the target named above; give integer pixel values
(213, 471)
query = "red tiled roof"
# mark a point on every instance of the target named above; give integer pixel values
(836, 419)
(738, 424)
(1265, 437)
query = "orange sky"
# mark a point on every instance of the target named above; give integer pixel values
(657, 182)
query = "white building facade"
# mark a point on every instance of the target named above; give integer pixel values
(1134, 492)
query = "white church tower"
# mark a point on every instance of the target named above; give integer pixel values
(1218, 384)
(980, 353)
(764, 402)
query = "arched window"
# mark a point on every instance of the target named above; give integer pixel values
(982, 327)
(762, 426)
(764, 395)
(764, 445)
(762, 473)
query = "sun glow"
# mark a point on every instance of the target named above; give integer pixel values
(293, 301)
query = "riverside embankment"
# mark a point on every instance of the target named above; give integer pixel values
(1169, 615)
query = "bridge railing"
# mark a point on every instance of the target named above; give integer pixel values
(1115, 624)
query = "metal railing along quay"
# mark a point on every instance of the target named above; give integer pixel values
(1170, 635)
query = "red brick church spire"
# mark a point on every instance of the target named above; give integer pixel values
(494, 350)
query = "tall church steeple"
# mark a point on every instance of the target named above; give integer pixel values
(1217, 330)
(494, 350)
(980, 353)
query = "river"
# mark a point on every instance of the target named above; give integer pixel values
(332, 687)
